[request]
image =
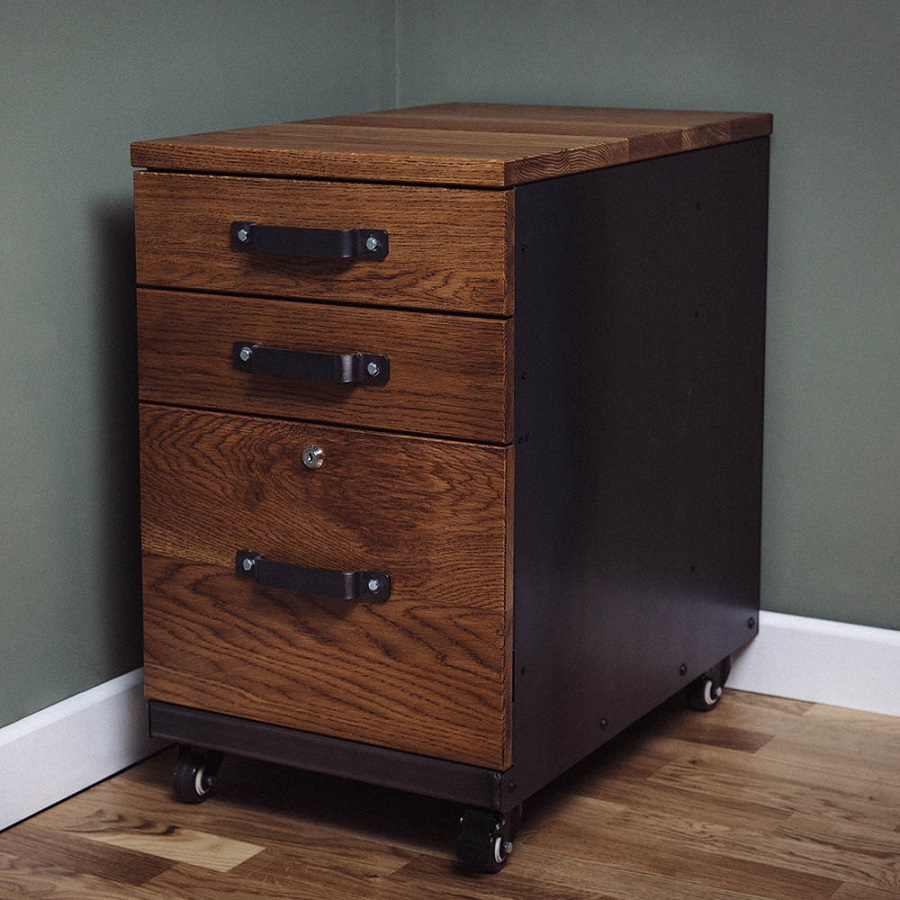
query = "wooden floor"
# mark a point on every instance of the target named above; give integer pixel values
(762, 798)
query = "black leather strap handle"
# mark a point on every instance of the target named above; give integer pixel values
(324, 243)
(342, 368)
(321, 582)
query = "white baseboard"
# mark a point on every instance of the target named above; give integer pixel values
(834, 663)
(61, 750)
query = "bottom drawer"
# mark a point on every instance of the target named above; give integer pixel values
(426, 670)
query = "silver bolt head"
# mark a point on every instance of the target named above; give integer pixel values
(246, 353)
(373, 369)
(372, 243)
(374, 584)
(248, 563)
(243, 235)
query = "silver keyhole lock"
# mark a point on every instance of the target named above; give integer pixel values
(313, 457)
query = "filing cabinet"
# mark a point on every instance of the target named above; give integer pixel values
(451, 436)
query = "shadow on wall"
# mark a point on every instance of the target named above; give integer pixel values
(117, 402)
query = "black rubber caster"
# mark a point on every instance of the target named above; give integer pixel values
(703, 694)
(195, 774)
(486, 838)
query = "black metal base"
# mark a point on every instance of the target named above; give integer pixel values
(424, 775)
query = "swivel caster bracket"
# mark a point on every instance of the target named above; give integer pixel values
(486, 838)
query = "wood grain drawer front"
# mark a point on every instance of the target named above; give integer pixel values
(425, 671)
(448, 249)
(448, 375)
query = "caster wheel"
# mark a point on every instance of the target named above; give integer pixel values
(703, 694)
(486, 838)
(195, 774)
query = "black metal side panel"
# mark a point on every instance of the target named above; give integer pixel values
(639, 342)
(332, 756)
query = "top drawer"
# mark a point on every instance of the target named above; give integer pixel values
(448, 249)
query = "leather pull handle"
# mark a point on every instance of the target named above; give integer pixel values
(341, 368)
(358, 585)
(322, 243)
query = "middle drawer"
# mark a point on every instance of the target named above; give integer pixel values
(449, 376)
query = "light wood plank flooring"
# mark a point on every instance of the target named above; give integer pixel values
(762, 798)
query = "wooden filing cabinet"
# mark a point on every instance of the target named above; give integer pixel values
(451, 428)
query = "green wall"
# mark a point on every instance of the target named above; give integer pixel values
(830, 73)
(80, 80)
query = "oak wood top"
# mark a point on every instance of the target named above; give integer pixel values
(472, 144)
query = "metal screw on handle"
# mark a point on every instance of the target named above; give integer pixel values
(243, 235)
(246, 353)
(372, 243)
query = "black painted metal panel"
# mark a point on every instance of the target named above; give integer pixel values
(639, 344)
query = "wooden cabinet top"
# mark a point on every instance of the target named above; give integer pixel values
(472, 144)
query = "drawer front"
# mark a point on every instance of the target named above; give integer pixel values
(427, 670)
(448, 249)
(447, 375)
